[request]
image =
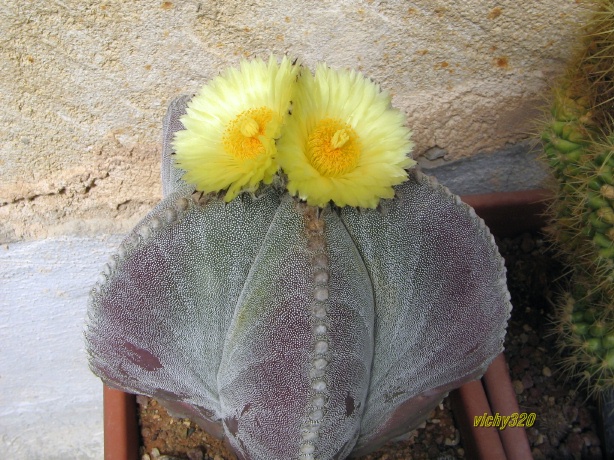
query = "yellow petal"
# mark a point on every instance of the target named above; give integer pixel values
(231, 126)
(344, 143)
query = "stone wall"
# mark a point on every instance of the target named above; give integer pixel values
(84, 84)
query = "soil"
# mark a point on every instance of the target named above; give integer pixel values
(565, 424)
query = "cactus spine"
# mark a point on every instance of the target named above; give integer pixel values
(579, 148)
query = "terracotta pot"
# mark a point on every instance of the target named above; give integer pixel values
(506, 214)
(491, 395)
(121, 427)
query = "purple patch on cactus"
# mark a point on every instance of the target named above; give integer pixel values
(299, 333)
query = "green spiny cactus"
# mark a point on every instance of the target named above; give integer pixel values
(579, 147)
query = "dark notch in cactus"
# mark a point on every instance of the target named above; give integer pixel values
(579, 148)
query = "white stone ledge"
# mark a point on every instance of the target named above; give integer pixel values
(50, 402)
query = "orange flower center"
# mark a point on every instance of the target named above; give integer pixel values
(242, 137)
(333, 147)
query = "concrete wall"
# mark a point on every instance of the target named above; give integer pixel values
(83, 89)
(50, 403)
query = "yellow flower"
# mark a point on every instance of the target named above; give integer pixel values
(231, 126)
(343, 142)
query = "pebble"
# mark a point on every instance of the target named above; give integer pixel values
(142, 400)
(539, 440)
(521, 365)
(584, 417)
(195, 454)
(527, 351)
(518, 386)
(527, 244)
(453, 441)
(571, 413)
(591, 439)
(527, 381)
(546, 372)
(575, 443)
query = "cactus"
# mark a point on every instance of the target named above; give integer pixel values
(299, 331)
(579, 147)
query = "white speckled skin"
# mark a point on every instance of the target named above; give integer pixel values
(296, 332)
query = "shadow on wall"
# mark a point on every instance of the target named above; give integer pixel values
(515, 167)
